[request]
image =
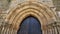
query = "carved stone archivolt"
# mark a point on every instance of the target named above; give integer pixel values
(37, 9)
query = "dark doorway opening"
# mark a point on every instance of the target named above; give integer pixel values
(30, 25)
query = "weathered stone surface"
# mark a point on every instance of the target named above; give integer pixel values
(4, 4)
(9, 23)
(57, 4)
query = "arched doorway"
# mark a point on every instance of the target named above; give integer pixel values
(37, 9)
(30, 25)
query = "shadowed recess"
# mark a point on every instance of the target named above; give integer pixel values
(30, 25)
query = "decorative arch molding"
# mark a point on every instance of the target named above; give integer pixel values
(42, 12)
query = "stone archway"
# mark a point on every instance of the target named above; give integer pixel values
(44, 14)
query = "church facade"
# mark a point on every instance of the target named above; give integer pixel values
(19, 10)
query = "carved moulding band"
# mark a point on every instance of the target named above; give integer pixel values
(42, 12)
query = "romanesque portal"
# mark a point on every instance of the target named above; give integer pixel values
(37, 9)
